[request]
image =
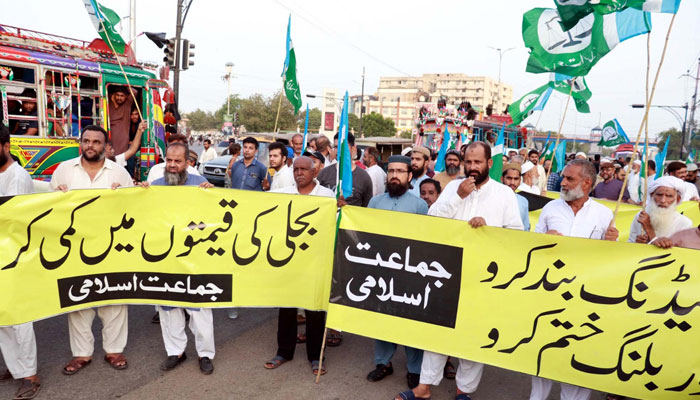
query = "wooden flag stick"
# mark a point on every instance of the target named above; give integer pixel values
(279, 106)
(128, 83)
(556, 143)
(646, 118)
(320, 358)
(646, 128)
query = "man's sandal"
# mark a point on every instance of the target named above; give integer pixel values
(301, 338)
(334, 339)
(75, 365)
(314, 368)
(116, 361)
(409, 395)
(275, 362)
(27, 390)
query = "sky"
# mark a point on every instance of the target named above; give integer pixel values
(335, 40)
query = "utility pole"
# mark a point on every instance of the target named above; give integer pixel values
(176, 69)
(362, 101)
(693, 125)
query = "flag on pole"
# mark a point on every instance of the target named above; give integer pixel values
(580, 93)
(576, 51)
(344, 187)
(572, 12)
(306, 127)
(691, 158)
(527, 104)
(105, 21)
(660, 159)
(559, 160)
(612, 134)
(643, 172)
(546, 144)
(289, 72)
(440, 161)
(497, 155)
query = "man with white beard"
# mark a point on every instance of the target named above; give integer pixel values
(660, 218)
(573, 214)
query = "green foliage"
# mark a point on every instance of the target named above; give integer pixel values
(376, 125)
(353, 123)
(314, 119)
(674, 146)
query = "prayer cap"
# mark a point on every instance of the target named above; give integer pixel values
(400, 159)
(670, 182)
(423, 150)
(526, 167)
(692, 167)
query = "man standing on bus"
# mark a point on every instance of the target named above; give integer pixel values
(120, 102)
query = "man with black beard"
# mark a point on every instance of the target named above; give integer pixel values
(576, 215)
(420, 158)
(482, 202)
(172, 319)
(660, 218)
(453, 168)
(397, 198)
(93, 171)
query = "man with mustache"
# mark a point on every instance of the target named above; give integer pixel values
(397, 198)
(93, 171)
(453, 168)
(574, 214)
(610, 187)
(482, 202)
(660, 218)
(420, 158)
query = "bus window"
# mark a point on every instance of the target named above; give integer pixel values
(73, 102)
(121, 125)
(20, 88)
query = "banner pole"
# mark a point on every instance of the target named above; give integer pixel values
(279, 106)
(556, 144)
(646, 129)
(645, 119)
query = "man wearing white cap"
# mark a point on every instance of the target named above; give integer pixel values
(633, 182)
(680, 170)
(660, 218)
(576, 215)
(529, 174)
(581, 156)
(692, 175)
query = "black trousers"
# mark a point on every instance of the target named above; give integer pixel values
(287, 333)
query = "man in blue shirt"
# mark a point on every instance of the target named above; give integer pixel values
(172, 319)
(397, 198)
(249, 173)
(511, 177)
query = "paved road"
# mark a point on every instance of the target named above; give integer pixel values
(242, 347)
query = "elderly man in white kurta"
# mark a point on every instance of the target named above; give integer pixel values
(660, 218)
(574, 214)
(93, 171)
(482, 202)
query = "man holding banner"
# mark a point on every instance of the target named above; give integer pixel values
(573, 214)
(397, 198)
(482, 202)
(92, 171)
(172, 319)
(660, 219)
(305, 184)
(17, 343)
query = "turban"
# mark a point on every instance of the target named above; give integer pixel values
(670, 182)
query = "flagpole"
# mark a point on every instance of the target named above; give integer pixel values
(561, 126)
(645, 119)
(279, 106)
(646, 128)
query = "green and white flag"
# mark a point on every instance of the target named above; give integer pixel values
(105, 21)
(289, 72)
(580, 93)
(497, 153)
(691, 157)
(576, 51)
(527, 104)
(572, 11)
(612, 134)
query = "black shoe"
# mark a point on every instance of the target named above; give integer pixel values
(156, 318)
(412, 380)
(381, 372)
(206, 366)
(173, 361)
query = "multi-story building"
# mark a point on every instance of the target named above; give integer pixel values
(397, 97)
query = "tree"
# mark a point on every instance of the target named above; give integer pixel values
(314, 119)
(200, 120)
(354, 123)
(376, 125)
(258, 113)
(674, 145)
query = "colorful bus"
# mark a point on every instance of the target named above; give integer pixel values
(52, 86)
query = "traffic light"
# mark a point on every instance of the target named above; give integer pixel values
(187, 54)
(170, 51)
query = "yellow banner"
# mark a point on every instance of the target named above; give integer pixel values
(625, 214)
(615, 317)
(188, 246)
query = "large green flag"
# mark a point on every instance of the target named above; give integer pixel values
(289, 73)
(573, 11)
(105, 21)
(580, 93)
(612, 134)
(576, 51)
(497, 153)
(527, 104)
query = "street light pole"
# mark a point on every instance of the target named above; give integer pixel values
(683, 122)
(229, 68)
(362, 101)
(501, 52)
